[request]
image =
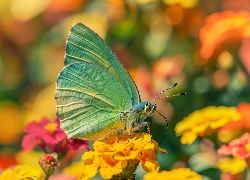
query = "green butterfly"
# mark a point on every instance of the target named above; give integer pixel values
(94, 93)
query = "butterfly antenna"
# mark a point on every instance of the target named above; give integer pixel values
(167, 126)
(180, 94)
(175, 84)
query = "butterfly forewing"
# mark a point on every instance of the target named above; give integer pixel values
(84, 45)
(89, 101)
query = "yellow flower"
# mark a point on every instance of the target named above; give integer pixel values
(74, 169)
(22, 172)
(174, 174)
(183, 3)
(233, 166)
(120, 157)
(201, 120)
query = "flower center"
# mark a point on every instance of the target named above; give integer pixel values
(247, 146)
(51, 127)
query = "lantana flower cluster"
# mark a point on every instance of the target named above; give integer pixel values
(120, 155)
(209, 118)
(237, 147)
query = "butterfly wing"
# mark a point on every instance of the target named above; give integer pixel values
(89, 101)
(84, 45)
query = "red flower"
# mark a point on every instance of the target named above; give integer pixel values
(48, 136)
(238, 147)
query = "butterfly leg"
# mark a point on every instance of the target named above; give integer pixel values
(130, 131)
(110, 133)
(148, 126)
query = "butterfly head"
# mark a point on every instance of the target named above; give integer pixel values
(149, 108)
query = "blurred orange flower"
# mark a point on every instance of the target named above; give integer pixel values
(7, 160)
(64, 5)
(244, 123)
(166, 67)
(232, 129)
(220, 26)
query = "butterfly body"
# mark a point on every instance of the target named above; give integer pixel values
(134, 118)
(94, 93)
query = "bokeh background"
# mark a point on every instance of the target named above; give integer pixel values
(203, 45)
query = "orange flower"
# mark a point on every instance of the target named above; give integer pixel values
(120, 157)
(64, 5)
(244, 122)
(220, 26)
(233, 129)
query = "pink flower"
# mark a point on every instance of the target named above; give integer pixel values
(238, 147)
(44, 132)
(50, 138)
(75, 144)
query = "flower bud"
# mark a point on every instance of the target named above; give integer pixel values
(49, 163)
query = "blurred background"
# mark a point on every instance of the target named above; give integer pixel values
(202, 45)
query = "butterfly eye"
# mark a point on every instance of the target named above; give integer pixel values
(154, 107)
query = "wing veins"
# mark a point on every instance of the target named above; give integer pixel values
(62, 120)
(84, 124)
(84, 60)
(89, 93)
(65, 105)
(89, 52)
(82, 85)
(85, 39)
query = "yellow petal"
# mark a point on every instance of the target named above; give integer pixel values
(88, 155)
(163, 151)
(88, 171)
(233, 166)
(151, 166)
(188, 137)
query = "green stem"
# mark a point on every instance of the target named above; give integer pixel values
(47, 176)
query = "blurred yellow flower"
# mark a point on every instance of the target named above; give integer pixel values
(118, 156)
(11, 120)
(22, 172)
(200, 120)
(24, 10)
(74, 169)
(42, 106)
(30, 158)
(183, 3)
(232, 166)
(174, 174)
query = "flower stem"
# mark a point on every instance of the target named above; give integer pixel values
(47, 176)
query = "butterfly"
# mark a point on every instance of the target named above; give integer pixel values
(94, 92)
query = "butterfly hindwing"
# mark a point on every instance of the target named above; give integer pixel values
(89, 101)
(84, 45)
